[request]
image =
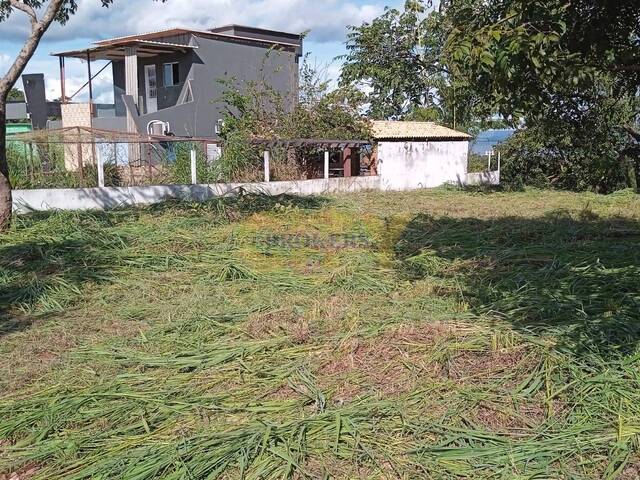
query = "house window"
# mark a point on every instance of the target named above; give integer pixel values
(171, 74)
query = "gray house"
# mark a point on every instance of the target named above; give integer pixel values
(172, 76)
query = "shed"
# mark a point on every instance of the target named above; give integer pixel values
(414, 155)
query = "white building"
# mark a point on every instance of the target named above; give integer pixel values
(413, 155)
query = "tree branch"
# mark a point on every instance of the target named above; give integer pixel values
(23, 7)
(38, 27)
(633, 133)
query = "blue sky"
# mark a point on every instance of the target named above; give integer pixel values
(325, 19)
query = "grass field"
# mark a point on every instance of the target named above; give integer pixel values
(437, 334)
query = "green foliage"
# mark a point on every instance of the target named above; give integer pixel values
(569, 71)
(240, 160)
(522, 55)
(255, 110)
(180, 170)
(397, 59)
(585, 153)
(16, 94)
(27, 170)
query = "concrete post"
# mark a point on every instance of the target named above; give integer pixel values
(131, 88)
(131, 81)
(267, 166)
(100, 164)
(326, 164)
(499, 160)
(194, 168)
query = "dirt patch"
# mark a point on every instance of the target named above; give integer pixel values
(277, 323)
(524, 415)
(283, 393)
(486, 365)
(389, 364)
(631, 471)
(506, 419)
(23, 473)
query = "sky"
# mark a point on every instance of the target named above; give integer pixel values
(325, 20)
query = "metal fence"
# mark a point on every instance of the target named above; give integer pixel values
(84, 157)
(80, 157)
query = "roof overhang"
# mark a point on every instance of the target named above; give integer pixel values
(308, 142)
(117, 50)
(404, 131)
(461, 138)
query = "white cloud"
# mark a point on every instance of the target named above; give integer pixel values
(326, 19)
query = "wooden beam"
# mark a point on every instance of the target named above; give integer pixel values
(90, 77)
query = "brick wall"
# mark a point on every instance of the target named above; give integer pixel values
(77, 115)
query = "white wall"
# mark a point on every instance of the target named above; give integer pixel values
(413, 165)
(483, 178)
(25, 201)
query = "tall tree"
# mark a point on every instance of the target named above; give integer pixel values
(523, 55)
(568, 69)
(397, 61)
(40, 14)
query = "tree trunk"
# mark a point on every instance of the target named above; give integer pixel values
(38, 28)
(5, 186)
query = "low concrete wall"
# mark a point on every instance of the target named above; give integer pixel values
(482, 178)
(25, 201)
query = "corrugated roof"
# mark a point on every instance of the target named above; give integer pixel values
(417, 130)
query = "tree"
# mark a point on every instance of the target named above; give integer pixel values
(568, 70)
(41, 15)
(523, 55)
(397, 60)
(560, 152)
(16, 95)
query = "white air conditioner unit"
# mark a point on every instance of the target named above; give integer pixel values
(158, 127)
(218, 127)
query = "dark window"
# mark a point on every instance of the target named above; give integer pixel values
(171, 74)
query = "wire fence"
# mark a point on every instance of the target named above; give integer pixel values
(81, 157)
(78, 157)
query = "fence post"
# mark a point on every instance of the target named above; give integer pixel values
(100, 164)
(326, 164)
(267, 166)
(194, 166)
(499, 159)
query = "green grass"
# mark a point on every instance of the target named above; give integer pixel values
(475, 335)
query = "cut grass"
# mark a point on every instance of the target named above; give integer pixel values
(477, 336)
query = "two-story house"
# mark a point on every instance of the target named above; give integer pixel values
(173, 76)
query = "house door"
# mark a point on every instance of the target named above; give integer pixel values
(151, 87)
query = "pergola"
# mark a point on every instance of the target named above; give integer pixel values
(127, 50)
(350, 149)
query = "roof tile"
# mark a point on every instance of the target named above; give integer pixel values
(416, 130)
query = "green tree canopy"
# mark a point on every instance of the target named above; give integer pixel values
(524, 55)
(397, 60)
(15, 94)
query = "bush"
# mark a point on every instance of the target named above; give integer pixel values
(579, 154)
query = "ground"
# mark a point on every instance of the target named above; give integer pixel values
(435, 334)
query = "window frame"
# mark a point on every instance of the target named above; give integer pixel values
(174, 69)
